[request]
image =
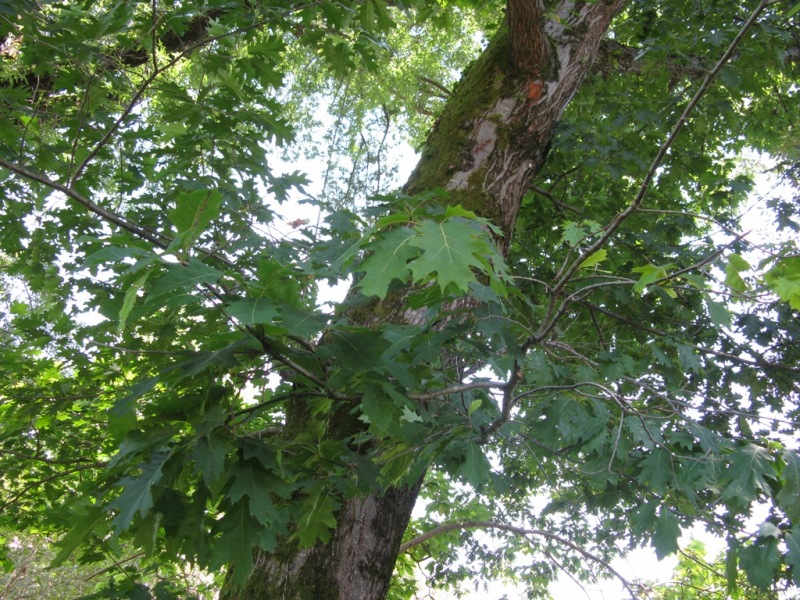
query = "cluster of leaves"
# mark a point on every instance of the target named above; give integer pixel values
(135, 107)
(651, 387)
(188, 438)
(695, 579)
(27, 573)
(670, 383)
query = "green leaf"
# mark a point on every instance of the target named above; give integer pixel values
(410, 416)
(183, 277)
(718, 312)
(650, 274)
(131, 294)
(137, 495)
(137, 442)
(459, 211)
(759, 561)
(689, 359)
(252, 311)
(476, 467)
(643, 517)
(749, 465)
(768, 529)
(379, 409)
(732, 569)
(788, 497)
(793, 552)
(784, 279)
(474, 405)
(738, 263)
(318, 519)
(86, 521)
(452, 251)
(594, 259)
(303, 323)
(709, 441)
(788, 290)
(573, 234)
(258, 485)
(239, 536)
(387, 262)
(359, 350)
(733, 279)
(195, 210)
(657, 470)
(122, 415)
(197, 362)
(665, 538)
(209, 453)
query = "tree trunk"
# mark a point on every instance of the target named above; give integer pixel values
(356, 563)
(490, 142)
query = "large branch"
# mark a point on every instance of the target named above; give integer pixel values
(487, 148)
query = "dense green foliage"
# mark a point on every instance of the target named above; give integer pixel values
(585, 394)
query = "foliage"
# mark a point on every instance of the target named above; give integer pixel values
(608, 384)
(695, 579)
(27, 575)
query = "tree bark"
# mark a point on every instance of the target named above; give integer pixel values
(490, 142)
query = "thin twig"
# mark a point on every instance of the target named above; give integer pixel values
(457, 389)
(519, 531)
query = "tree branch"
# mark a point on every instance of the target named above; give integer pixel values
(764, 364)
(621, 217)
(456, 389)
(444, 528)
(51, 461)
(157, 239)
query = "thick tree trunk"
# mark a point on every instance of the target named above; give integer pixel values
(356, 563)
(485, 149)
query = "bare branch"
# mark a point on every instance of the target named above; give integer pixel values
(446, 93)
(456, 389)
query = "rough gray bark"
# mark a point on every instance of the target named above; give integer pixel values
(356, 563)
(490, 142)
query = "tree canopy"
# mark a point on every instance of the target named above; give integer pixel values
(559, 332)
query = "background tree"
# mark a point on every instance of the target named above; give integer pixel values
(696, 579)
(554, 331)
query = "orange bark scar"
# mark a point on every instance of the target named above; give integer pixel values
(535, 89)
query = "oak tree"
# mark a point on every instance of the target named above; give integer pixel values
(558, 331)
